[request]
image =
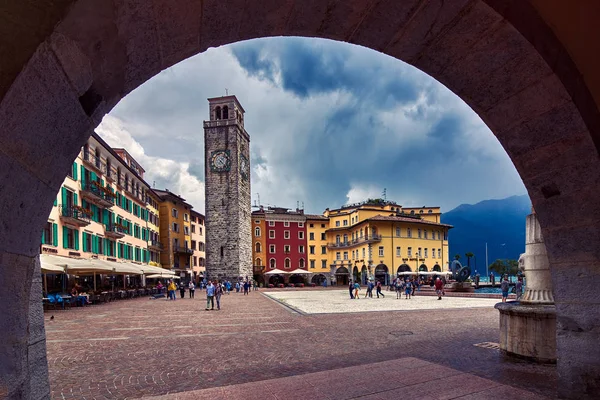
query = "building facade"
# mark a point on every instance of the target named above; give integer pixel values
(227, 180)
(375, 239)
(102, 210)
(175, 233)
(198, 233)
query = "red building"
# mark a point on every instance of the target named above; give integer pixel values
(285, 245)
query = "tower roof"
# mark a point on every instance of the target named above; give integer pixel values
(226, 99)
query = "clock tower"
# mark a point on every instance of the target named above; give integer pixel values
(227, 191)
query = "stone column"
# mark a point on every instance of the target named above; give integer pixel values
(528, 327)
(536, 265)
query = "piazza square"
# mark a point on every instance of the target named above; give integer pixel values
(338, 301)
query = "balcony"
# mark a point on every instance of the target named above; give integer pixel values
(95, 193)
(155, 245)
(94, 162)
(115, 231)
(355, 242)
(182, 250)
(75, 215)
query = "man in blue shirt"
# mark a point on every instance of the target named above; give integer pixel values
(210, 296)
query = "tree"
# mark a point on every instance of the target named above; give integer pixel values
(502, 267)
(457, 257)
(469, 255)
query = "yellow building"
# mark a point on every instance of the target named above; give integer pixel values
(259, 243)
(175, 233)
(318, 262)
(198, 244)
(377, 239)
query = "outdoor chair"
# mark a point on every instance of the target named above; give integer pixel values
(51, 301)
(59, 301)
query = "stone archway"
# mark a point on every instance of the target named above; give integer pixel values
(382, 274)
(342, 276)
(78, 59)
(403, 268)
(437, 268)
(318, 279)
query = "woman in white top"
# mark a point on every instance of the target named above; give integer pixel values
(192, 288)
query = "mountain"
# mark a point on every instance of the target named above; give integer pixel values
(500, 223)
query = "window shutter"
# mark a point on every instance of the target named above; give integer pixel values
(63, 195)
(94, 176)
(82, 176)
(84, 238)
(55, 202)
(119, 249)
(75, 199)
(76, 235)
(102, 182)
(65, 237)
(54, 235)
(43, 236)
(95, 240)
(75, 170)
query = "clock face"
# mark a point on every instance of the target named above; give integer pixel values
(244, 167)
(220, 161)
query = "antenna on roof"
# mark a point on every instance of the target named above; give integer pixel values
(258, 196)
(303, 205)
(384, 194)
(226, 92)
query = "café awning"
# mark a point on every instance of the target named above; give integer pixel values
(276, 272)
(299, 272)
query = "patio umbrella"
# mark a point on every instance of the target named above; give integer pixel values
(299, 272)
(276, 272)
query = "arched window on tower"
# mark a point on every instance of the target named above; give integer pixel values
(225, 112)
(257, 247)
(257, 231)
(301, 264)
(288, 263)
(272, 263)
(258, 262)
(218, 113)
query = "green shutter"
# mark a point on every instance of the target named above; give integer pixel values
(105, 217)
(75, 199)
(102, 182)
(55, 202)
(94, 176)
(43, 236)
(75, 170)
(119, 250)
(95, 244)
(82, 176)
(54, 235)
(63, 195)
(85, 249)
(76, 234)
(65, 237)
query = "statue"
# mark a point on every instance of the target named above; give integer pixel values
(459, 273)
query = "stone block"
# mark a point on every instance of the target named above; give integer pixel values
(54, 118)
(578, 364)
(221, 21)
(576, 294)
(558, 210)
(573, 244)
(34, 207)
(39, 387)
(75, 64)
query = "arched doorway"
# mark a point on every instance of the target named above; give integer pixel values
(423, 268)
(539, 103)
(381, 274)
(437, 268)
(355, 275)
(342, 276)
(318, 279)
(403, 268)
(297, 278)
(276, 279)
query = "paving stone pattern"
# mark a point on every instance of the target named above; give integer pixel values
(139, 348)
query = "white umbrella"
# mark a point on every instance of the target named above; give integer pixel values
(276, 271)
(299, 272)
(407, 273)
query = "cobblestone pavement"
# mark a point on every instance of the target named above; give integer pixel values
(388, 380)
(337, 301)
(140, 347)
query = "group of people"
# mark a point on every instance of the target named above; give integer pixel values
(354, 289)
(505, 287)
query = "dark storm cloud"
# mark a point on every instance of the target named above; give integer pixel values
(307, 68)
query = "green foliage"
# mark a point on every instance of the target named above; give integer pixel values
(501, 267)
(457, 257)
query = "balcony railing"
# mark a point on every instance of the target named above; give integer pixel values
(75, 215)
(94, 162)
(185, 250)
(115, 230)
(97, 194)
(155, 244)
(355, 242)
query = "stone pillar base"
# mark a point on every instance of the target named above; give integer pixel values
(528, 331)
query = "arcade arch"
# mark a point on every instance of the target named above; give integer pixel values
(502, 58)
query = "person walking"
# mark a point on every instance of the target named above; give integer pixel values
(504, 286)
(439, 288)
(182, 289)
(407, 289)
(519, 288)
(378, 290)
(171, 289)
(228, 286)
(398, 288)
(192, 289)
(351, 289)
(210, 296)
(218, 293)
(246, 287)
(356, 289)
